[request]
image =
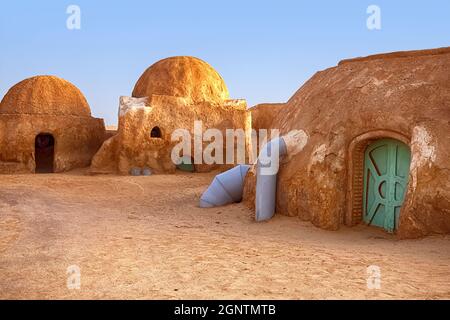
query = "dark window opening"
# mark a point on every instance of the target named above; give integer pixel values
(156, 133)
(44, 150)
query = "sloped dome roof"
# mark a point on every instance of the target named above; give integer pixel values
(45, 95)
(185, 77)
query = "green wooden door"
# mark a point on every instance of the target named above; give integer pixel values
(386, 171)
(186, 164)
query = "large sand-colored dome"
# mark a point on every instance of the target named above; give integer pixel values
(45, 95)
(185, 77)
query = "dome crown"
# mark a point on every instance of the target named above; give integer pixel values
(46, 95)
(185, 77)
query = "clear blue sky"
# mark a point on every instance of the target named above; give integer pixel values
(265, 50)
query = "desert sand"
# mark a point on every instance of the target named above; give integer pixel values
(146, 238)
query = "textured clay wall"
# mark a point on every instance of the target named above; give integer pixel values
(77, 139)
(341, 109)
(263, 115)
(133, 145)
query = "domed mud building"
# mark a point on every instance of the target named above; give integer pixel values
(375, 147)
(46, 126)
(171, 94)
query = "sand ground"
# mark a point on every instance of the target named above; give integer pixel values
(145, 238)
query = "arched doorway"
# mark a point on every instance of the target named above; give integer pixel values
(385, 178)
(44, 151)
(156, 133)
(187, 164)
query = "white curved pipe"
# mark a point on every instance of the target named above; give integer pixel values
(226, 188)
(266, 178)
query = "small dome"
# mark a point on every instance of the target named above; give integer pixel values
(185, 77)
(46, 95)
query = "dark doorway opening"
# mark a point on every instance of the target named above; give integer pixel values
(156, 133)
(44, 151)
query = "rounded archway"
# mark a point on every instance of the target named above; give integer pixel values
(356, 174)
(156, 132)
(44, 153)
(385, 178)
(186, 164)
